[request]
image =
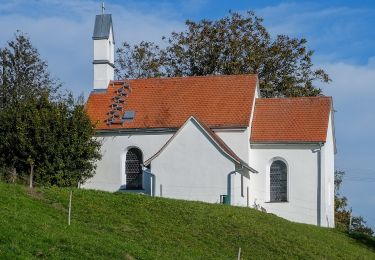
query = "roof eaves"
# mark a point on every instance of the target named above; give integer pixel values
(137, 130)
(245, 165)
(260, 142)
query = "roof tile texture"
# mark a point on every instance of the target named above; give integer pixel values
(278, 120)
(219, 101)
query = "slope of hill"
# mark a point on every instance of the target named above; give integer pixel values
(33, 224)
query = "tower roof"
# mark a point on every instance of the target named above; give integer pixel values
(103, 26)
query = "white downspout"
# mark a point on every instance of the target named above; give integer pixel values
(319, 188)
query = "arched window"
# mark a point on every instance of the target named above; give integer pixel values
(278, 182)
(133, 169)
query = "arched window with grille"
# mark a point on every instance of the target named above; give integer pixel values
(133, 169)
(278, 182)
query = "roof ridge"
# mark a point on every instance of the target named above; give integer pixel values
(295, 98)
(186, 77)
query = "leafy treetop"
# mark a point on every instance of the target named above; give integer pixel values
(235, 44)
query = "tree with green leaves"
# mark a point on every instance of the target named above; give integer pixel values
(235, 44)
(43, 135)
(23, 74)
(139, 61)
(70, 148)
(343, 216)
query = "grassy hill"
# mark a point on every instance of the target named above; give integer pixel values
(33, 224)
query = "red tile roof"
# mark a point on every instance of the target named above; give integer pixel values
(219, 101)
(279, 120)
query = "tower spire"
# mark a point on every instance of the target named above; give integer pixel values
(104, 42)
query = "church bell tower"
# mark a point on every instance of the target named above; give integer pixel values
(104, 45)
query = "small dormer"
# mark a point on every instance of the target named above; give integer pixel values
(104, 45)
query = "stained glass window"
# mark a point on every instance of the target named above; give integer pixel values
(278, 182)
(133, 169)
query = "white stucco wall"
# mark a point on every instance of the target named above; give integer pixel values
(328, 177)
(302, 167)
(110, 172)
(103, 51)
(237, 140)
(103, 74)
(191, 167)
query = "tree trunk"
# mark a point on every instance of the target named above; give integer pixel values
(31, 176)
(13, 175)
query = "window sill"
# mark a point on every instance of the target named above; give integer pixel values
(276, 202)
(124, 188)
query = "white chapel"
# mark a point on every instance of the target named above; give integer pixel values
(212, 139)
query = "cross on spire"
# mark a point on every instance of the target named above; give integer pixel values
(103, 8)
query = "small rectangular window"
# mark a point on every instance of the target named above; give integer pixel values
(128, 116)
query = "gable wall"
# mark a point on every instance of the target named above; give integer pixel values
(192, 168)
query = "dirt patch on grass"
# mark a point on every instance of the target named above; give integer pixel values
(40, 196)
(129, 257)
(36, 194)
(59, 207)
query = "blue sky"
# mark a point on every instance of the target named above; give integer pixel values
(341, 33)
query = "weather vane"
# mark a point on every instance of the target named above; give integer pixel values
(103, 8)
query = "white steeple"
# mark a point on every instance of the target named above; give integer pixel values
(104, 45)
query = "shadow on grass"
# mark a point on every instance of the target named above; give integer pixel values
(364, 239)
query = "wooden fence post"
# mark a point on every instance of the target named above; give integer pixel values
(247, 195)
(239, 254)
(70, 207)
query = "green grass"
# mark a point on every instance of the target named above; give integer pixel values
(131, 226)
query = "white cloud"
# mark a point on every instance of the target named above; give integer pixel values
(371, 62)
(352, 81)
(337, 32)
(292, 18)
(353, 92)
(194, 5)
